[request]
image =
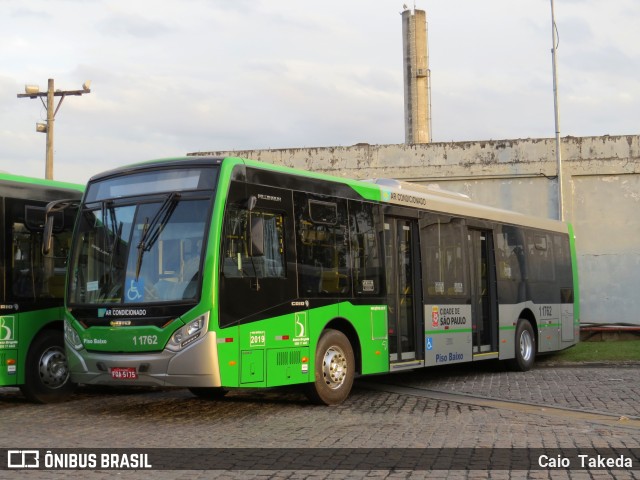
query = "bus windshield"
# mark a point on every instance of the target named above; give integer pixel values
(140, 250)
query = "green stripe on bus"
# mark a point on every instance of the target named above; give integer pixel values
(453, 330)
(576, 280)
(40, 181)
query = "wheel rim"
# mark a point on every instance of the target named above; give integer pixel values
(334, 367)
(526, 345)
(53, 368)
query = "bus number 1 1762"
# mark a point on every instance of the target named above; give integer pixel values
(145, 340)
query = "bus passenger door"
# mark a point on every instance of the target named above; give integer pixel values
(403, 291)
(484, 308)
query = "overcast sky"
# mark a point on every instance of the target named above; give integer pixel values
(171, 77)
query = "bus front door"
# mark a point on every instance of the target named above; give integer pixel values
(402, 260)
(483, 295)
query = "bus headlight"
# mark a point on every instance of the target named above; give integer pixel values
(189, 333)
(72, 336)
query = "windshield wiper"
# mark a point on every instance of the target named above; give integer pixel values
(108, 242)
(152, 229)
(112, 232)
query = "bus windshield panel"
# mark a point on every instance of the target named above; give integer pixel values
(134, 251)
(157, 181)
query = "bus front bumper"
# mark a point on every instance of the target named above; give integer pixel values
(195, 366)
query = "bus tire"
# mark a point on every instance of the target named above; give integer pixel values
(334, 369)
(525, 347)
(47, 378)
(210, 393)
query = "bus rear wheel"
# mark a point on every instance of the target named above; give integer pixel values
(525, 347)
(334, 369)
(47, 378)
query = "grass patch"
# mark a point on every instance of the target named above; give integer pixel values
(612, 351)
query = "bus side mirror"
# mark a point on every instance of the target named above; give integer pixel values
(47, 235)
(54, 210)
(256, 235)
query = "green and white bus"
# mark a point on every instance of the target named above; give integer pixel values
(32, 285)
(213, 273)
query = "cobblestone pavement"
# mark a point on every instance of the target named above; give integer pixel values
(597, 388)
(282, 418)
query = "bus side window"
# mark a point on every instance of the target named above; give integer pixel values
(540, 257)
(365, 250)
(509, 252)
(511, 265)
(25, 262)
(444, 262)
(237, 262)
(33, 275)
(322, 245)
(564, 273)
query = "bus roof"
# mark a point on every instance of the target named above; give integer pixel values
(389, 191)
(437, 200)
(8, 177)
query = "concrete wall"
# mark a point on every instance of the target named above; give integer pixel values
(601, 177)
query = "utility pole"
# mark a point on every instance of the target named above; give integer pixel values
(33, 91)
(554, 36)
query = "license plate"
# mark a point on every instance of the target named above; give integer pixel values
(124, 373)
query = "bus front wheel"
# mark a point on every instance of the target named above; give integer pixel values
(334, 369)
(47, 377)
(525, 347)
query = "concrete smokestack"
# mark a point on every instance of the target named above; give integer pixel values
(417, 107)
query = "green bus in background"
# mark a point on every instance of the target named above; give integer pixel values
(213, 273)
(32, 284)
